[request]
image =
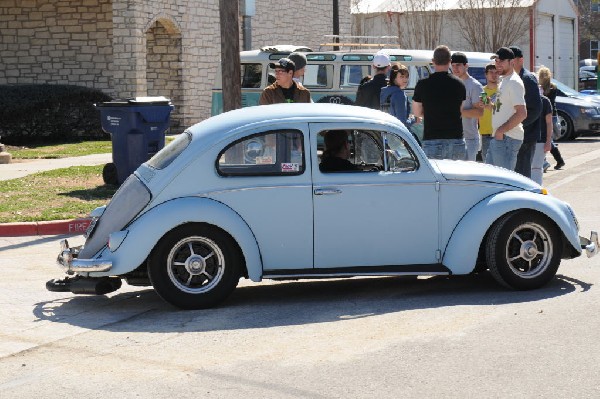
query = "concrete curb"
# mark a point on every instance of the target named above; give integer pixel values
(54, 227)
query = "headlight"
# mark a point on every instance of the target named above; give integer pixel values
(591, 111)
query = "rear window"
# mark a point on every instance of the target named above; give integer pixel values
(164, 157)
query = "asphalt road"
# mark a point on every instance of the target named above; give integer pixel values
(460, 337)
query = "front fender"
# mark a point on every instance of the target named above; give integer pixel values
(463, 246)
(145, 232)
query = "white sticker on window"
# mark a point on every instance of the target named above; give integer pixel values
(290, 167)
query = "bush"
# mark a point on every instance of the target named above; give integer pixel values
(45, 113)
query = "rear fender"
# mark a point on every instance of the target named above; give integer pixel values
(146, 231)
(463, 247)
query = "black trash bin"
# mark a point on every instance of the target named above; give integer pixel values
(137, 129)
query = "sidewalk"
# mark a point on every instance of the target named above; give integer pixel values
(17, 170)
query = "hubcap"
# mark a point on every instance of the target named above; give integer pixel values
(529, 250)
(195, 265)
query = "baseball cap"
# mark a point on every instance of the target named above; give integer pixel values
(503, 53)
(516, 51)
(458, 58)
(381, 60)
(283, 63)
(299, 60)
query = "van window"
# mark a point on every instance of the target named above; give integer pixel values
(251, 74)
(351, 75)
(318, 76)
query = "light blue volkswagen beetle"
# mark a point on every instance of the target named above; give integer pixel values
(255, 193)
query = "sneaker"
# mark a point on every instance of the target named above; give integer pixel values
(559, 165)
(546, 166)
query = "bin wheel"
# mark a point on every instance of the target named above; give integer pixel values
(109, 174)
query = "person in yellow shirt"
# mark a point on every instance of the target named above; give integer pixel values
(485, 121)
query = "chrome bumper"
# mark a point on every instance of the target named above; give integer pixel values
(68, 261)
(590, 246)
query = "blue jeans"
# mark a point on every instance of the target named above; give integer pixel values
(445, 149)
(485, 144)
(472, 148)
(524, 158)
(503, 152)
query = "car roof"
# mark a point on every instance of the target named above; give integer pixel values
(212, 129)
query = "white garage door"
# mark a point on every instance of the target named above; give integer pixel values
(567, 52)
(544, 42)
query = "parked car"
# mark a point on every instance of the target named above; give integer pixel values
(587, 80)
(246, 194)
(577, 113)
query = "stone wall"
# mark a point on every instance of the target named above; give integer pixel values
(63, 42)
(131, 48)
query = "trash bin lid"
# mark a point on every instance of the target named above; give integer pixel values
(137, 101)
(149, 100)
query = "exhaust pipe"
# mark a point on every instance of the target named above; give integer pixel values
(84, 286)
(95, 286)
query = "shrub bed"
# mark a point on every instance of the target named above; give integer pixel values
(46, 113)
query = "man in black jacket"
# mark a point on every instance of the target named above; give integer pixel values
(368, 93)
(531, 124)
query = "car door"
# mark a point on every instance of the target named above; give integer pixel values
(373, 217)
(271, 190)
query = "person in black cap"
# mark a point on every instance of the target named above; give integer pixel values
(284, 90)
(470, 112)
(508, 113)
(531, 124)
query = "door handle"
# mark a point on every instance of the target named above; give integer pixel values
(327, 191)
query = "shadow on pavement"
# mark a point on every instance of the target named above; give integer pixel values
(293, 303)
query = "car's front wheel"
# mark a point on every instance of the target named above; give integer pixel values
(523, 250)
(567, 129)
(195, 266)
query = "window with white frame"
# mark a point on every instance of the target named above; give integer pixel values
(594, 47)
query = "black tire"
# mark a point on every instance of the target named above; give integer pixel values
(567, 130)
(523, 250)
(195, 266)
(109, 174)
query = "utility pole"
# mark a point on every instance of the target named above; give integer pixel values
(230, 54)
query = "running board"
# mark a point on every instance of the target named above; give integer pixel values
(334, 272)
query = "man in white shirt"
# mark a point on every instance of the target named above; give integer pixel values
(508, 113)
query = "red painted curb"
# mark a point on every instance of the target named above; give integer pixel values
(75, 226)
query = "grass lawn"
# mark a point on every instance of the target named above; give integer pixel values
(58, 194)
(61, 150)
(67, 193)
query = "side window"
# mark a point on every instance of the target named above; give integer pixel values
(318, 76)
(279, 152)
(363, 151)
(351, 75)
(417, 73)
(251, 74)
(350, 151)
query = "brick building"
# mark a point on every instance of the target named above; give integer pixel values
(143, 47)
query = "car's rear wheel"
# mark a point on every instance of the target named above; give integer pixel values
(567, 130)
(195, 266)
(523, 250)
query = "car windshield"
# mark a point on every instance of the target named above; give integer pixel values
(565, 89)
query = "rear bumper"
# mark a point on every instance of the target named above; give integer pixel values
(67, 260)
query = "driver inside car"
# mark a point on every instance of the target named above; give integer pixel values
(336, 153)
